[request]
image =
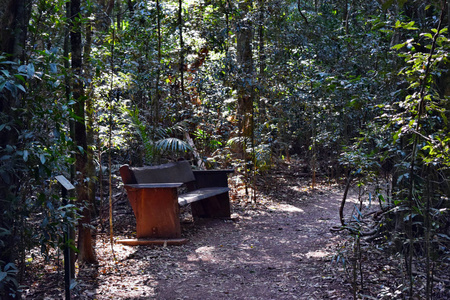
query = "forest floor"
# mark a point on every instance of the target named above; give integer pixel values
(279, 248)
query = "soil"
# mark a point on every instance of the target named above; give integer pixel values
(280, 247)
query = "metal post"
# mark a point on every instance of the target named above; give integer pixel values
(67, 271)
(65, 187)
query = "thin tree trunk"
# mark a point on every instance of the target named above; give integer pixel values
(245, 84)
(262, 62)
(227, 8)
(345, 16)
(85, 245)
(421, 108)
(245, 61)
(119, 15)
(429, 283)
(180, 25)
(158, 72)
(90, 120)
(68, 91)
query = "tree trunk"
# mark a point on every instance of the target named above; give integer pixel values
(180, 26)
(345, 16)
(90, 134)
(245, 62)
(158, 72)
(14, 19)
(85, 245)
(14, 23)
(262, 63)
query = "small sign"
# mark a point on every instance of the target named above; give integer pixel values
(64, 182)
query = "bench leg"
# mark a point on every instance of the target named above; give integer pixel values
(157, 212)
(214, 207)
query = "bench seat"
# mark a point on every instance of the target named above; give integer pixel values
(183, 199)
(201, 194)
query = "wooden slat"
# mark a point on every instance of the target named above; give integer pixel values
(201, 194)
(167, 173)
(149, 242)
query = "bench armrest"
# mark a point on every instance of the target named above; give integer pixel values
(212, 178)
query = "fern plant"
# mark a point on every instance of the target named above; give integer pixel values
(158, 141)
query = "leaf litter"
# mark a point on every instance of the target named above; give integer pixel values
(279, 248)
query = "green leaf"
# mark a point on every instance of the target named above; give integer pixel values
(20, 77)
(11, 267)
(427, 35)
(3, 276)
(20, 87)
(42, 158)
(410, 25)
(359, 212)
(25, 155)
(53, 68)
(397, 135)
(398, 46)
(444, 236)
(8, 62)
(30, 70)
(73, 284)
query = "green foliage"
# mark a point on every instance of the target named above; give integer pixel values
(157, 142)
(8, 282)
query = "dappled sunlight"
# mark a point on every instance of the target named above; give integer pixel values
(297, 188)
(318, 254)
(205, 249)
(204, 253)
(286, 208)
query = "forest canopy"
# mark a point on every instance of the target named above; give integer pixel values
(357, 89)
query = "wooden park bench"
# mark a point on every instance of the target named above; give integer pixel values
(153, 192)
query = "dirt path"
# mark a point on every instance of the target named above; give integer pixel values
(278, 249)
(281, 248)
(279, 252)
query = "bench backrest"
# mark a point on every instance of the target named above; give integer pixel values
(176, 172)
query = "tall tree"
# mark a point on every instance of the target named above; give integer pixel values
(158, 71)
(14, 18)
(245, 85)
(85, 243)
(262, 60)
(180, 26)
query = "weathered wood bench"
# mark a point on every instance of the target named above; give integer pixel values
(153, 195)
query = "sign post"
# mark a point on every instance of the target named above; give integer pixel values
(65, 187)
